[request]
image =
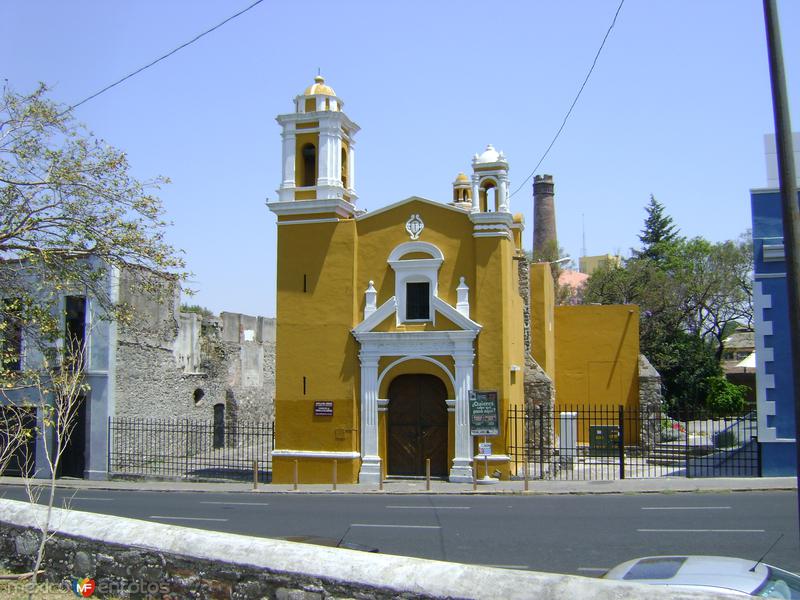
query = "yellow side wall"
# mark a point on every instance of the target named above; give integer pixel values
(597, 355)
(498, 308)
(314, 342)
(542, 319)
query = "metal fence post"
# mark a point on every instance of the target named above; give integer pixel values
(541, 441)
(186, 446)
(621, 442)
(686, 443)
(110, 447)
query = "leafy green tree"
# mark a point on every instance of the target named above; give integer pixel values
(691, 292)
(71, 215)
(725, 399)
(658, 234)
(71, 212)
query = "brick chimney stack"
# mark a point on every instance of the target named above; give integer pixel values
(544, 216)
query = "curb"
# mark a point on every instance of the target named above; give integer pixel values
(581, 489)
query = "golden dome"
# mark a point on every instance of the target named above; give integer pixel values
(461, 178)
(318, 88)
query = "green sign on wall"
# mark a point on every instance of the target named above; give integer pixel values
(484, 418)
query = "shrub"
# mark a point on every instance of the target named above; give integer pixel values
(725, 399)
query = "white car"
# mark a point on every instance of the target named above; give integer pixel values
(712, 573)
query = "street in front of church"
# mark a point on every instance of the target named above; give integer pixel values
(580, 534)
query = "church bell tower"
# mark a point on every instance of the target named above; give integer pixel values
(318, 153)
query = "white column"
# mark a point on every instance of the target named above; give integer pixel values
(286, 191)
(476, 201)
(351, 172)
(370, 461)
(324, 158)
(337, 161)
(502, 193)
(462, 462)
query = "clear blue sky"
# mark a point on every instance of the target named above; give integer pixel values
(677, 107)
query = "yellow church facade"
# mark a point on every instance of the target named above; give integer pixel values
(387, 320)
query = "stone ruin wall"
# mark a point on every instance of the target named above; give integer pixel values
(178, 365)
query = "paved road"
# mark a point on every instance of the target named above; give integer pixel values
(566, 534)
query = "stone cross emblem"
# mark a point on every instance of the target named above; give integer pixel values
(414, 226)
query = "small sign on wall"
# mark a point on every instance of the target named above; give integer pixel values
(323, 408)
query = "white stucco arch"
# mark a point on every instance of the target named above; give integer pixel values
(410, 247)
(429, 359)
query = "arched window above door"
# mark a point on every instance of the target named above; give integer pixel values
(416, 280)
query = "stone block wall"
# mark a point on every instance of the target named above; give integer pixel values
(180, 365)
(650, 398)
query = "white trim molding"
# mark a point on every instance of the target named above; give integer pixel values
(315, 454)
(308, 221)
(342, 208)
(384, 209)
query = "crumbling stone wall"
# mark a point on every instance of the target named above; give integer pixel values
(524, 278)
(178, 365)
(650, 398)
(538, 390)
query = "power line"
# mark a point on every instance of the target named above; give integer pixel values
(167, 55)
(575, 101)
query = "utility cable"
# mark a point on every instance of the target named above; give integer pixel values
(167, 55)
(574, 102)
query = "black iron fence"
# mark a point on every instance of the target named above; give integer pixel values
(599, 442)
(188, 449)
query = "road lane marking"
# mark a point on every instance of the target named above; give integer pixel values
(685, 507)
(396, 526)
(430, 507)
(701, 530)
(234, 503)
(515, 567)
(163, 518)
(84, 498)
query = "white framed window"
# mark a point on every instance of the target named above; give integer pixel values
(416, 281)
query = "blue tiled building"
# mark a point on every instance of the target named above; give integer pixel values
(774, 377)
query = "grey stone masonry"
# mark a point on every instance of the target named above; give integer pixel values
(524, 277)
(172, 364)
(650, 398)
(138, 559)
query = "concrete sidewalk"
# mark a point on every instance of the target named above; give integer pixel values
(402, 486)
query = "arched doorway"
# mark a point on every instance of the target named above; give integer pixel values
(417, 425)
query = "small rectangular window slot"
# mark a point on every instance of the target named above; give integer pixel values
(304, 386)
(305, 289)
(417, 301)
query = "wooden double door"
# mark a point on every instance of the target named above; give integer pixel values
(417, 426)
